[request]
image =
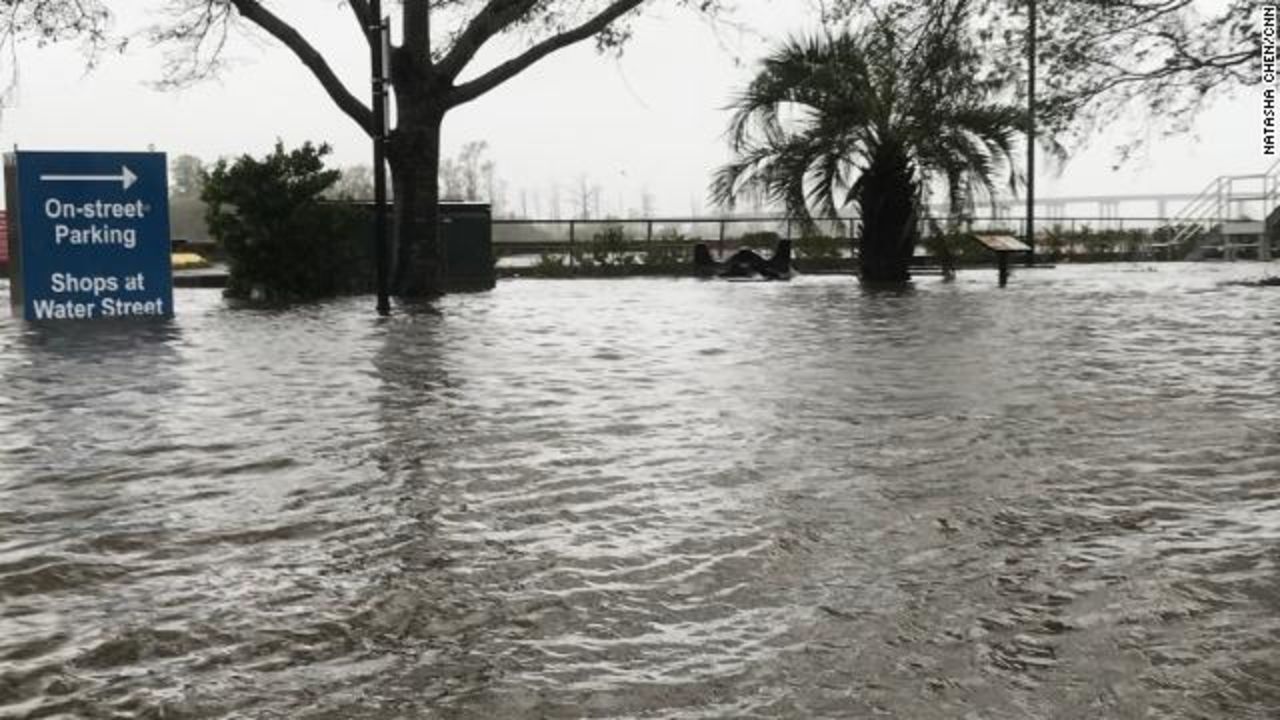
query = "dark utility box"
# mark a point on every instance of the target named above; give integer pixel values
(466, 233)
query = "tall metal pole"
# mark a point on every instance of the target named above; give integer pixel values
(1031, 130)
(376, 30)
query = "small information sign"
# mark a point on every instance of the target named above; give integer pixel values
(1003, 243)
(89, 235)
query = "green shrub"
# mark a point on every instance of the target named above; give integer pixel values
(667, 249)
(759, 240)
(282, 242)
(820, 247)
(609, 247)
(946, 248)
(664, 256)
(551, 265)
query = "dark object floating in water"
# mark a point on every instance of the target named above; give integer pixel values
(744, 264)
(1269, 281)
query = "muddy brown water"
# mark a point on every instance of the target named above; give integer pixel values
(654, 499)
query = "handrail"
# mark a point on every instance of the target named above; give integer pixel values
(660, 219)
(1271, 196)
(1215, 202)
(1207, 207)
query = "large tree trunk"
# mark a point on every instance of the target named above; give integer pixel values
(887, 200)
(414, 158)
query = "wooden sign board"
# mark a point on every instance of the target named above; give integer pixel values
(1002, 243)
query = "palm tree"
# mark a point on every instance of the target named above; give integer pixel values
(869, 118)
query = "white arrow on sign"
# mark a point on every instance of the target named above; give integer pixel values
(126, 178)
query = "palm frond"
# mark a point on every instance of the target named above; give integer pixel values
(822, 112)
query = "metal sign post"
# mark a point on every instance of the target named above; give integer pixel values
(1031, 131)
(379, 42)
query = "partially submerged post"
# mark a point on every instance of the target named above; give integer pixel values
(1031, 137)
(1003, 246)
(380, 44)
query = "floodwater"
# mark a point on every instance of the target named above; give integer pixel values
(654, 499)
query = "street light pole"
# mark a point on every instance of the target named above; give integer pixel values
(1031, 130)
(376, 30)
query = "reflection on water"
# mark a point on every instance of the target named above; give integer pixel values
(653, 498)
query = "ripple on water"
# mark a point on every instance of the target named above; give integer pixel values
(653, 498)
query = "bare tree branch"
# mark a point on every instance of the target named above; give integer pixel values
(364, 18)
(475, 88)
(496, 16)
(1100, 59)
(310, 57)
(200, 29)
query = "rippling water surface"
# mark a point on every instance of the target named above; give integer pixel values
(654, 498)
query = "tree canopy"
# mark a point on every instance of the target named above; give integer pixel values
(433, 69)
(54, 20)
(439, 40)
(869, 118)
(50, 21)
(1100, 58)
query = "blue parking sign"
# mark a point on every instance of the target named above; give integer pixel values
(89, 235)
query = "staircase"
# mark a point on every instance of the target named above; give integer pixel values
(1272, 224)
(1219, 222)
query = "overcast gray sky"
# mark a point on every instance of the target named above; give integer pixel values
(652, 120)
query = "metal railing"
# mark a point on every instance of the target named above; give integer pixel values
(1271, 195)
(570, 230)
(574, 239)
(530, 233)
(1227, 198)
